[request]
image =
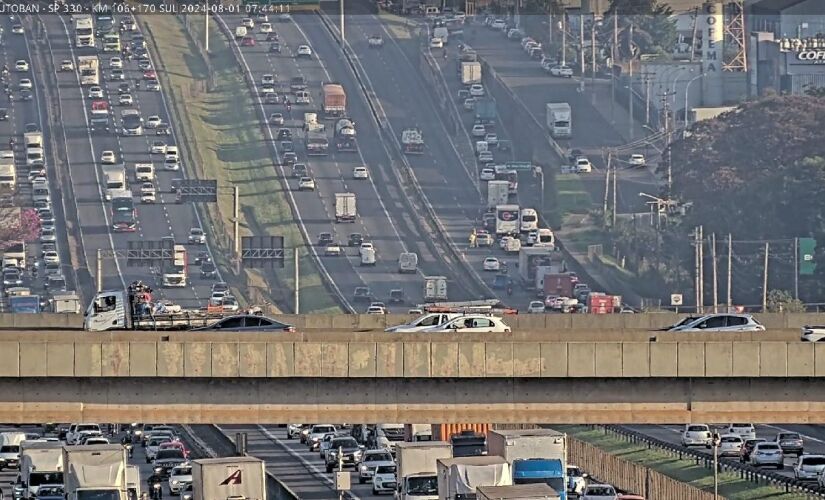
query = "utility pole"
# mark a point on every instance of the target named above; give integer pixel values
(341, 3)
(236, 231)
(563, 38)
(696, 267)
(606, 185)
(666, 110)
(715, 282)
(581, 43)
(730, 272)
(796, 268)
(99, 277)
(765, 279)
(647, 81)
(297, 283)
(701, 270)
(613, 66)
(630, 83)
(615, 207)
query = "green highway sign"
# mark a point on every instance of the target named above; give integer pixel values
(807, 265)
(519, 165)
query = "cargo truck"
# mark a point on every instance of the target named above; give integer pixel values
(15, 255)
(417, 469)
(529, 259)
(8, 174)
(345, 136)
(135, 309)
(412, 141)
(99, 119)
(470, 72)
(335, 100)
(534, 455)
(485, 109)
(33, 139)
(89, 70)
(41, 464)
(458, 478)
(345, 209)
(67, 302)
(241, 478)
(517, 492)
(133, 481)
(115, 178)
(600, 303)
(559, 284)
(25, 304)
(469, 443)
(559, 120)
(95, 471)
(498, 193)
(435, 288)
(414, 433)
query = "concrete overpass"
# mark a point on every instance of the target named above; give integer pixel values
(186, 379)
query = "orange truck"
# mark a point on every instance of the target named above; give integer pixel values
(335, 100)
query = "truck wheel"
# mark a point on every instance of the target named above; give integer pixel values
(361, 480)
(374, 492)
(148, 461)
(329, 468)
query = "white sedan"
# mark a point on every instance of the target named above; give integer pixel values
(125, 100)
(486, 157)
(477, 90)
(266, 28)
(51, 257)
(304, 51)
(148, 197)
(116, 63)
(360, 173)
(471, 324)
(268, 79)
(25, 84)
(478, 130)
(306, 184)
(583, 166)
(564, 71)
(95, 92)
(491, 264)
(158, 148)
(637, 160)
(436, 43)
(535, 307)
(108, 157)
(813, 333)
(21, 65)
(153, 121)
(487, 174)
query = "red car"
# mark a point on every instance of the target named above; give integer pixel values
(248, 41)
(175, 444)
(150, 74)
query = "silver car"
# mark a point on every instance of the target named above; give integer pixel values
(718, 323)
(768, 454)
(809, 467)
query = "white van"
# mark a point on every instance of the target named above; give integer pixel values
(367, 257)
(34, 157)
(10, 448)
(528, 220)
(442, 33)
(408, 262)
(8, 176)
(240, 32)
(144, 172)
(545, 238)
(482, 147)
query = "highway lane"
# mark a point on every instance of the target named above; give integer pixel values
(165, 218)
(449, 185)
(592, 129)
(21, 113)
(380, 214)
(291, 462)
(813, 437)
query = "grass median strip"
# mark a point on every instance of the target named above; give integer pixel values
(230, 146)
(731, 486)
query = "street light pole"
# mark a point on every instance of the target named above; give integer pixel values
(341, 3)
(206, 27)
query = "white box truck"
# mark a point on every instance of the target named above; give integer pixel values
(534, 455)
(458, 478)
(41, 464)
(230, 477)
(470, 72)
(95, 471)
(345, 209)
(435, 288)
(498, 193)
(417, 469)
(559, 120)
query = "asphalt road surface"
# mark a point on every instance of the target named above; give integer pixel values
(83, 151)
(382, 217)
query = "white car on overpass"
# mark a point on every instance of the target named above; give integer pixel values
(471, 323)
(423, 322)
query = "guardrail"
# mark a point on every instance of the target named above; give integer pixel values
(481, 288)
(705, 459)
(250, 82)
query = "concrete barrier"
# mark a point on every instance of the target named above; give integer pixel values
(463, 359)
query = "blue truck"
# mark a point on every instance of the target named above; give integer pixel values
(534, 455)
(485, 109)
(25, 304)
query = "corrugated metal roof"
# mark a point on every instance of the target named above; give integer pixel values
(774, 6)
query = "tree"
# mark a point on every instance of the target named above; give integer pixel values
(815, 91)
(653, 28)
(783, 301)
(18, 225)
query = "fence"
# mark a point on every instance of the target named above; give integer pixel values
(629, 476)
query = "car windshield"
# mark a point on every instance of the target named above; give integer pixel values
(427, 485)
(814, 460)
(767, 447)
(170, 453)
(789, 436)
(378, 457)
(697, 428)
(182, 471)
(344, 443)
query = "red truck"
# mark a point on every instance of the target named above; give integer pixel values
(560, 285)
(598, 303)
(335, 100)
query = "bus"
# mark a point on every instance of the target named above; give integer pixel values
(84, 31)
(175, 271)
(111, 42)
